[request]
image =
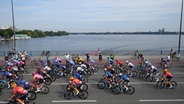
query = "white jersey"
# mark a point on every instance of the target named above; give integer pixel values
(47, 68)
(80, 69)
(130, 64)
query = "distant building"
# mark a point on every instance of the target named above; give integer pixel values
(21, 36)
(161, 30)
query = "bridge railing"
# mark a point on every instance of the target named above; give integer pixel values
(93, 52)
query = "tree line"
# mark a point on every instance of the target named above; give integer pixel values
(8, 33)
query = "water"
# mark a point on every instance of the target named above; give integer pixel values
(93, 42)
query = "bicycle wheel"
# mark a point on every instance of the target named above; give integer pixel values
(101, 85)
(84, 87)
(44, 90)
(131, 90)
(3, 85)
(84, 79)
(47, 81)
(116, 90)
(160, 84)
(142, 74)
(83, 94)
(31, 95)
(134, 73)
(68, 94)
(174, 84)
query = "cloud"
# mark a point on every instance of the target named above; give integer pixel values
(69, 14)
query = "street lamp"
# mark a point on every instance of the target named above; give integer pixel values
(180, 29)
(14, 43)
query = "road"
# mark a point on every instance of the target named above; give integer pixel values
(145, 93)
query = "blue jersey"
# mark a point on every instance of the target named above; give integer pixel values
(77, 75)
(124, 77)
(92, 61)
(72, 63)
(26, 85)
(107, 73)
(3, 74)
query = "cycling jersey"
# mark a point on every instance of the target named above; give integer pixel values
(92, 62)
(124, 77)
(119, 62)
(131, 66)
(78, 76)
(37, 76)
(154, 69)
(108, 74)
(168, 74)
(76, 81)
(20, 90)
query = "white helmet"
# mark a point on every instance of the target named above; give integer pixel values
(120, 74)
(127, 62)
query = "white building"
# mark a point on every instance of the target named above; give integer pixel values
(21, 36)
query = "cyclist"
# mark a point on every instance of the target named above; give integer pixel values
(19, 93)
(124, 79)
(154, 72)
(109, 76)
(37, 80)
(75, 83)
(168, 76)
(25, 84)
(42, 72)
(110, 61)
(119, 63)
(8, 75)
(147, 64)
(130, 67)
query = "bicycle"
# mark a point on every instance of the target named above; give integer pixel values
(83, 94)
(118, 89)
(26, 100)
(164, 83)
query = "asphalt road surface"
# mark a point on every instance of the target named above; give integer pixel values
(145, 92)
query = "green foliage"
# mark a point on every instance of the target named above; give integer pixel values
(8, 33)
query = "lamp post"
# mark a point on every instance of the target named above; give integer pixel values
(14, 43)
(180, 29)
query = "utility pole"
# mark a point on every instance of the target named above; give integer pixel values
(14, 42)
(179, 43)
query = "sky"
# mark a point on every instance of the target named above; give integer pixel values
(92, 15)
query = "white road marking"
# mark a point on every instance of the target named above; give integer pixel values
(74, 101)
(162, 100)
(178, 73)
(3, 102)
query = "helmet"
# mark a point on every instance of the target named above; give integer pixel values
(71, 78)
(165, 70)
(3, 70)
(127, 62)
(19, 83)
(120, 74)
(38, 68)
(13, 85)
(33, 73)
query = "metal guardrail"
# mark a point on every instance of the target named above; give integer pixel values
(94, 52)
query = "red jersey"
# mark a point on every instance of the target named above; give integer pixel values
(168, 74)
(76, 81)
(119, 62)
(20, 90)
